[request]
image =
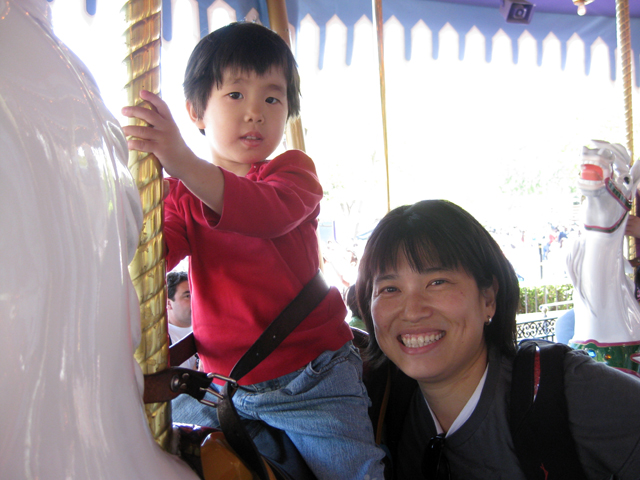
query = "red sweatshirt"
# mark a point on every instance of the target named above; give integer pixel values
(247, 264)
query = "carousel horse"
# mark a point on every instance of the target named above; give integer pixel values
(607, 313)
(71, 404)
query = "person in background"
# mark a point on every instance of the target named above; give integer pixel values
(565, 326)
(179, 326)
(179, 312)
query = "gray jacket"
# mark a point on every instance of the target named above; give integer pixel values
(604, 418)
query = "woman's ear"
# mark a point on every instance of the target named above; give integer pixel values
(490, 295)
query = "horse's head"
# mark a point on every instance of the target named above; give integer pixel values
(608, 185)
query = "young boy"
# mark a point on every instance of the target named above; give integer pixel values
(249, 227)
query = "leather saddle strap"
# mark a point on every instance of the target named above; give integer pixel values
(230, 423)
(167, 384)
(182, 350)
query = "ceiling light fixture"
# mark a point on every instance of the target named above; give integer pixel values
(582, 6)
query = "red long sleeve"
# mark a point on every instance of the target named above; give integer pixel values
(247, 264)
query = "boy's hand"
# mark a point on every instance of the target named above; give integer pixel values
(163, 139)
(162, 136)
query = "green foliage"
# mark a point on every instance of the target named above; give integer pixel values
(532, 297)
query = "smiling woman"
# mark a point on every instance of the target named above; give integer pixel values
(439, 299)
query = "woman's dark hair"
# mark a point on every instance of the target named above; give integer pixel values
(245, 47)
(439, 233)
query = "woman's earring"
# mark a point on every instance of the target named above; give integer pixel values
(489, 318)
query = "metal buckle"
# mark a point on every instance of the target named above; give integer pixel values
(209, 403)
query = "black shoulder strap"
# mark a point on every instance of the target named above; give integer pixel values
(538, 413)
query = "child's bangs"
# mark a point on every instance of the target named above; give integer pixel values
(246, 59)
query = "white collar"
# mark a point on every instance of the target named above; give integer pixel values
(466, 412)
(178, 333)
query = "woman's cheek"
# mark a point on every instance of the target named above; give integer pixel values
(376, 313)
(380, 325)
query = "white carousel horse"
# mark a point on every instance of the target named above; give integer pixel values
(607, 313)
(71, 403)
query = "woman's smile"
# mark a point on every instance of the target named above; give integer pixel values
(420, 340)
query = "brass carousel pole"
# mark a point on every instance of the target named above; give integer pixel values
(147, 270)
(279, 23)
(378, 20)
(624, 57)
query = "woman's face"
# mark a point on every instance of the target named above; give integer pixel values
(431, 325)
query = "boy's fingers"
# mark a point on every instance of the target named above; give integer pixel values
(140, 145)
(150, 96)
(150, 106)
(157, 104)
(138, 131)
(141, 113)
(155, 111)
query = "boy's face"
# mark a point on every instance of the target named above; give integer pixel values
(245, 118)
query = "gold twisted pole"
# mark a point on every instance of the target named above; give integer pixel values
(624, 57)
(379, 23)
(147, 270)
(624, 49)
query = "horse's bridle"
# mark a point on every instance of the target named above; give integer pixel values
(626, 203)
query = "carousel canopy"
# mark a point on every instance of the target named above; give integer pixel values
(558, 17)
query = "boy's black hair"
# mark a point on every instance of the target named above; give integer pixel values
(245, 47)
(173, 280)
(440, 233)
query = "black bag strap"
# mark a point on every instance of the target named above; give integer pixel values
(539, 419)
(230, 424)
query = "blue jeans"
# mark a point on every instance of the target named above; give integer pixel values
(322, 408)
